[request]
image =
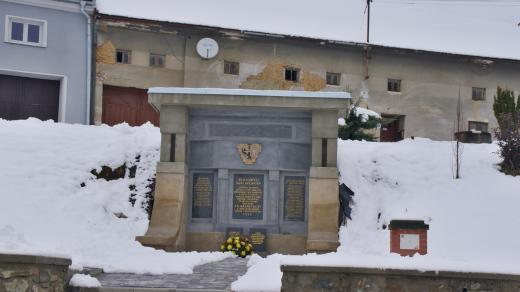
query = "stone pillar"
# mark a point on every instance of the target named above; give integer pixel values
(98, 101)
(322, 226)
(167, 228)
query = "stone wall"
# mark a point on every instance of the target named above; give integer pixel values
(21, 273)
(308, 278)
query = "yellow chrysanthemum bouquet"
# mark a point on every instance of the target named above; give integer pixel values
(237, 245)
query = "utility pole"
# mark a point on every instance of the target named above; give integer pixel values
(367, 46)
(368, 20)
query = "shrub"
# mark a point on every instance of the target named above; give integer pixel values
(237, 245)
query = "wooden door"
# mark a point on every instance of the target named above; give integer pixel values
(23, 97)
(390, 132)
(125, 104)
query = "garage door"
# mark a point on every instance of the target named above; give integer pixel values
(125, 104)
(22, 97)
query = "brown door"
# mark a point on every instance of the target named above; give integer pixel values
(22, 97)
(390, 130)
(125, 104)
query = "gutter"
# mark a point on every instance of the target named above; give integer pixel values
(89, 62)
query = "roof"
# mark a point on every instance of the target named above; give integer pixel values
(480, 28)
(250, 92)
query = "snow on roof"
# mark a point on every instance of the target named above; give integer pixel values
(477, 28)
(250, 92)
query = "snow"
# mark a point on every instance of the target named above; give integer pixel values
(250, 92)
(363, 112)
(472, 220)
(45, 211)
(81, 280)
(416, 24)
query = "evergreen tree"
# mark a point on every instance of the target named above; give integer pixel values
(507, 114)
(504, 104)
(355, 124)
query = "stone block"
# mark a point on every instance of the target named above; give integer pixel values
(174, 119)
(322, 226)
(167, 225)
(325, 124)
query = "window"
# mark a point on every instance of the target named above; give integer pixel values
(478, 93)
(25, 31)
(291, 74)
(477, 126)
(231, 67)
(122, 56)
(394, 85)
(157, 60)
(333, 78)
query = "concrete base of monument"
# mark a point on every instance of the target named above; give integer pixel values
(276, 243)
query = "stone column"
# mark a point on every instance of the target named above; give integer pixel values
(322, 225)
(167, 228)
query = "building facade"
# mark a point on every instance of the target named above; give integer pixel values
(416, 92)
(45, 58)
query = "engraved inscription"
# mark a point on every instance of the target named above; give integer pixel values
(202, 195)
(294, 198)
(258, 238)
(248, 196)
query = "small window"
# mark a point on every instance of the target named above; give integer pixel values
(394, 85)
(157, 60)
(333, 78)
(122, 56)
(26, 31)
(478, 126)
(292, 74)
(478, 93)
(231, 67)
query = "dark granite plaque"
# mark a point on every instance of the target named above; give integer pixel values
(294, 198)
(258, 237)
(234, 231)
(202, 195)
(248, 196)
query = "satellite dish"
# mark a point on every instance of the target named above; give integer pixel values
(207, 48)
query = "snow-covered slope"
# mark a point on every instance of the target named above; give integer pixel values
(44, 210)
(472, 27)
(473, 221)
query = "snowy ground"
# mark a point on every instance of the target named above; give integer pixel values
(473, 221)
(44, 210)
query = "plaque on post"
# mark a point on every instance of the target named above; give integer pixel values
(258, 237)
(294, 198)
(234, 231)
(248, 196)
(202, 195)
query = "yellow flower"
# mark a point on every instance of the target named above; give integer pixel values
(248, 248)
(242, 243)
(222, 247)
(243, 253)
(238, 245)
(229, 247)
(229, 240)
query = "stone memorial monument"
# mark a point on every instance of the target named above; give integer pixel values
(261, 162)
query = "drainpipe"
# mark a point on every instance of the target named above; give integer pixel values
(89, 63)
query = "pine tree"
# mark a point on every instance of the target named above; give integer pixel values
(356, 124)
